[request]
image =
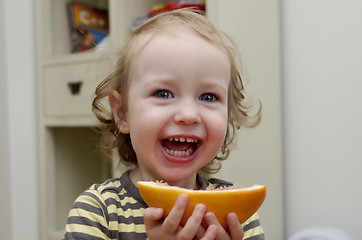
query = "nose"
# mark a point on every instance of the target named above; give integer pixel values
(187, 114)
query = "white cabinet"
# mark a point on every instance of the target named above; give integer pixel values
(69, 159)
(68, 89)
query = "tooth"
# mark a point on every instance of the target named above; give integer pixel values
(176, 139)
(189, 140)
(170, 139)
(176, 153)
(182, 139)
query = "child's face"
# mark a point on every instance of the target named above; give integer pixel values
(177, 105)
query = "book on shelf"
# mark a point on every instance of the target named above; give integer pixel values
(89, 25)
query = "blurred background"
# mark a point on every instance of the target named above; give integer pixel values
(321, 114)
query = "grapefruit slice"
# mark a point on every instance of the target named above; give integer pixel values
(244, 201)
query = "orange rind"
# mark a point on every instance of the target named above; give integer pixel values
(244, 201)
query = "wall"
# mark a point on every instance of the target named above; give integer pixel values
(323, 113)
(5, 216)
(18, 202)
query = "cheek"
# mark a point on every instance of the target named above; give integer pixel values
(145, 124)
(217, 128)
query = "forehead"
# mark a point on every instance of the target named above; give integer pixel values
(179, 55)
(178, 41)
(177, 29)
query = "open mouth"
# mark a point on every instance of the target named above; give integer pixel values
(180, 147)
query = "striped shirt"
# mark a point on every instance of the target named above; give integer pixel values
(114, 210)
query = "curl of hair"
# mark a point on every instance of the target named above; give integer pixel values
(239, 110)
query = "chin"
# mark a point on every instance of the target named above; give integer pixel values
(176, 175)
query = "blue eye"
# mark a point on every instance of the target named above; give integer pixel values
(163, 94)
(208, 97)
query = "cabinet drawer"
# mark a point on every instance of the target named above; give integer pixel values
(69, 89)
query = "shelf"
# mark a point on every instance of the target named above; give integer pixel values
(78, 166)
(73, 163)
(69, 89)
(55, 30)
(56, 34)
(84, 57)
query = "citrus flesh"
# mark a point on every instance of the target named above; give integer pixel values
(244, 201)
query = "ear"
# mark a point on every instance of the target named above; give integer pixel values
(116, 103)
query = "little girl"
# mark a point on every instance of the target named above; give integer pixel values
(176, 100)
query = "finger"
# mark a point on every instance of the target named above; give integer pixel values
(193, 223)
(211, 219)
(235, 229)
(210, 233)
(172, 221)
(151, 217)
(200, 232)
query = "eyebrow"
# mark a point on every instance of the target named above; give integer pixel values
(168, 80)
(217, 84)
(158, 80)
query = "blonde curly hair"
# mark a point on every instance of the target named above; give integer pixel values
(239, 108)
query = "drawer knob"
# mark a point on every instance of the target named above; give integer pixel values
(75, 87)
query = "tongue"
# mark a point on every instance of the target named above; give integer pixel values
(176, 146)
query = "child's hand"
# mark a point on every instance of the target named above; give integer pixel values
(235, 231)
(170, 227)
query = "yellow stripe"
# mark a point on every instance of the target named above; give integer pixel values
(77, 212)
(86, 229)
(253, 232)
(104, 197)
(104, 186)
(212, 185)
(138, 228)
(123, 201)
(89, 199)
(131, 212)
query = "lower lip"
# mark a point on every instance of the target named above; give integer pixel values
(177, 160)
